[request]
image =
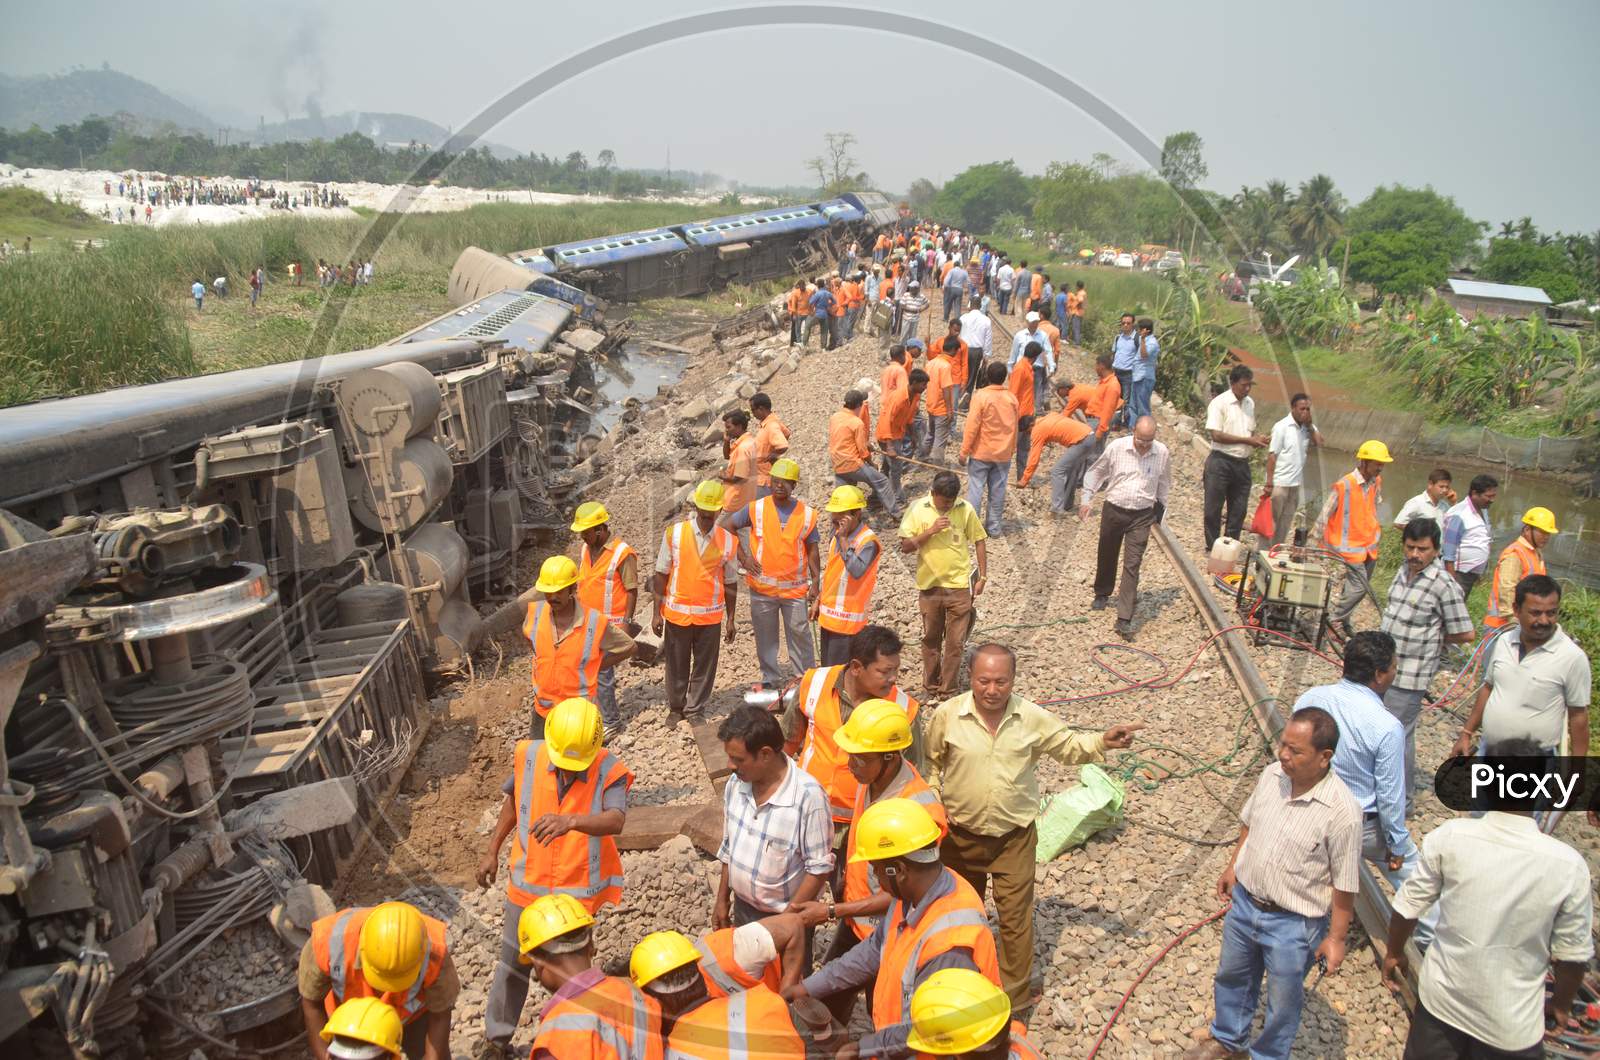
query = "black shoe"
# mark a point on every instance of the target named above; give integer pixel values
(674, 719)
(1100, 603)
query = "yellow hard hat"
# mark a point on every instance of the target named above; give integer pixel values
(367, 1020)
(786, 469)
(392, 941)
(957, 1010)
(708, 496)
(876, 725)
(573, 733)
(1540, 519)
(549, 917)
(589, 515)
(846, 499)
(657, 954)
(556, 574)
(893, 828)
(1374, 450)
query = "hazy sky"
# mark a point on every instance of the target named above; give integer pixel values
(1492, 104)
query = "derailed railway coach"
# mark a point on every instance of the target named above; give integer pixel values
(687, 259)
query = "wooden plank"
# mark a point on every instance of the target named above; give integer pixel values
(657, 344)
(704, 827)
(647, 827)
(711, 752)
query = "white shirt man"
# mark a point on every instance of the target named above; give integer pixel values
(1005, 276)
(1425, 506)
(1286, 463)
(977, 332)
(1233, 415)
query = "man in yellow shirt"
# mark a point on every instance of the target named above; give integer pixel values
(939, 528)
(983, 750)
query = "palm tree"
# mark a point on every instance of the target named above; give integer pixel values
(1508, 230)
(1526, 230)
(1256, 220)
(1316, 218)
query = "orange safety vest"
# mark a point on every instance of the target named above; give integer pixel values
(750, 1023)
(819, 755)
(587, 867)
(1532, 561)
(1352, 529)
(340, 934)
(859, 882)
(780, 549)
(723, 974)
(695, 592)
(568, 667)
(843, 608)
(955, 920)
(600, 585)
(613, 1020)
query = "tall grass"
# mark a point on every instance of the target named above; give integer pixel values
(77, 323)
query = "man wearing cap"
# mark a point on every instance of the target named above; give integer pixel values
(1032, 332)
(875, 739)
(700, 1022)
(935, 920)
(781, 568)
(1524, 556)
(848, 576)
(1350, 527)
(589, 1014)
(363, 1028)
(695, 588)
(960, 1013)
(390, 952)
(566, 799)
(572, 644)
(608, 582)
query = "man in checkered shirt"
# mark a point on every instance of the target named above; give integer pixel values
(1426, 611)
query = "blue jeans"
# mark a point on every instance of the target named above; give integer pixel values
(1139, 398)
(988, 478)
(1125, 381)
(1280, 945)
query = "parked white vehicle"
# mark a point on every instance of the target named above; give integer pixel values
(1124, 261)
(1169, 261)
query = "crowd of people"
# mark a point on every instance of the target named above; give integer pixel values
(887, 814)
(161, 191)
(328, 274)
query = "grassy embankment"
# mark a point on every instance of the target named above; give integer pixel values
(76, 323)
(52, 225)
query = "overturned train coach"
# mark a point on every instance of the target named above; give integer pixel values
(687, 259)
(222, 602)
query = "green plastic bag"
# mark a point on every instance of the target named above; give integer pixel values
(1068, 818)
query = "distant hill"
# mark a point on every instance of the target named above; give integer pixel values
(383, 128)
(65, 99)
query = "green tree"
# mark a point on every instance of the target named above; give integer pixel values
(1316, 218)
(1423, 211)
(1397, 262)
(976, 196)
(1531, 264)
(1183, 163)
(921, 194)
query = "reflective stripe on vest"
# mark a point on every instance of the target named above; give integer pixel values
(531, 768)
(609, 1034)
(336, 954)
(776, 537)
(716, 975)
(565, 674)
(908, 977)
(676, 604)
(612, 600)
(342, 956)
(843, 608)
(859, 874)
(1532, 563)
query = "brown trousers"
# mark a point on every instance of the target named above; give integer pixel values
(691, 656)
(1124, 530)
(946, 622)
(1009, 860)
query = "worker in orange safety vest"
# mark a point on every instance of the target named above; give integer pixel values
(848, 576)
(590, 1015)
(769, 952)
(565, 801)
(1524, 556)
(754, 1022)
(695, 589)
(608, 582)
(823, 703)
(572, 644)
(935, 920)
(390, 952)
(778, 550)
(959, 1013)
(1350, 527)
(875, 739)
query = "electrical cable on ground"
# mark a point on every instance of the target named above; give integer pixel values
(1128, 994)
(299, 1040)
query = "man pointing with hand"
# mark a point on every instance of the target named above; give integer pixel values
(983, 750)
